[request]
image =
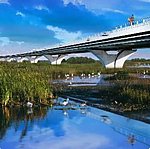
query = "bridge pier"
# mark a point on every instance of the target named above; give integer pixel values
(20, 59)
(33, 59)
(55, 59)
(113, 60)
(2, 59)
(9, 59)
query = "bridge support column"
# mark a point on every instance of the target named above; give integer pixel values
(2, 59)
(9, 59)
(20, 59)
(55, 59)
(33, 59)
(113, 60)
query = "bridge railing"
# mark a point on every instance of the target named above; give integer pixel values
(127, 26)
(141, 22)
(138, 23)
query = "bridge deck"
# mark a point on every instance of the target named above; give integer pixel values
(129, 37)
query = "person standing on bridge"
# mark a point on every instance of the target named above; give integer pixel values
(131, 20)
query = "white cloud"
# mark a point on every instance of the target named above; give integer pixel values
(147, 1)
(41, 7)
(113, 10)
(64, 35)
(98, 6)
(20, 14)
(75, 2)
(9, 47)
(20, 42)
(74, 138)
(4, 2)
(4, 41)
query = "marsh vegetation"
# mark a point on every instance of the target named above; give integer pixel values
(22, 82)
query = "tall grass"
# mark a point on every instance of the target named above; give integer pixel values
(22, 82)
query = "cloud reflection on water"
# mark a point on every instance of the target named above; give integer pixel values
(74, 138)
(77, 131)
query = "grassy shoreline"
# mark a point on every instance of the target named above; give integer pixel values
(22, 82)
(125, 94)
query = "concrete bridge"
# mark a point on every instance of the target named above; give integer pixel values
(125, 40)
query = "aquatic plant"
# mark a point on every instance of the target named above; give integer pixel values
(21, 84)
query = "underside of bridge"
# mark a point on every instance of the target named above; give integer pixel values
(53, 59)
(108, 60)
(113, 60)
(123, 40)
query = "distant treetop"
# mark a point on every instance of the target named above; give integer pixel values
(79, 60)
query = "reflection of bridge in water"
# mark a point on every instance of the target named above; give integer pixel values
(123, 125)
(135, 131)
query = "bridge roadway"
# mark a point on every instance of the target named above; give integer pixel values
(124, 40)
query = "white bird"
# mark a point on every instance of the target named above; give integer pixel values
(29, 104)
(83, 104)
(99, 73)
(92, 75)
(82, 75)
(67, 75)
(65, 102)
(65, 113)
(30, 111)
(89, 75)
(116, 102)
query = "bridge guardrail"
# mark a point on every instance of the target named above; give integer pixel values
(138, 23)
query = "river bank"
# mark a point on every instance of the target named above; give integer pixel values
(116, 97)
(23, 82)
(124, 94)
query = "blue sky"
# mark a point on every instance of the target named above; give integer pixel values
(31, 24)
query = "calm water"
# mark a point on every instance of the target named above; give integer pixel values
(145, 76)
(84, 81)
(79, 128)
(90, 81)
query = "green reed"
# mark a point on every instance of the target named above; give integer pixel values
(22, 82)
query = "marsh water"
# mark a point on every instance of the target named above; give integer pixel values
(60, 127)
(91, 80)
(84, 81)
(71, 127)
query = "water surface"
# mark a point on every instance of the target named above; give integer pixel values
(84, 81)
(78, 128)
